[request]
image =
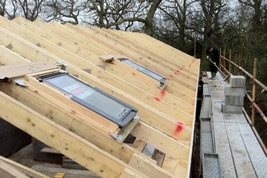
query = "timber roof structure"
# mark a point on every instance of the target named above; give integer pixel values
(167, 113)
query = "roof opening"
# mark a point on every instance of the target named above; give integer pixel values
(92, 98)
(144, 70)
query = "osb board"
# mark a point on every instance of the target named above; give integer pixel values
(17, 70)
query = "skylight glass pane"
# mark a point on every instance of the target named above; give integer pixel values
(108, 105)
(90, 96)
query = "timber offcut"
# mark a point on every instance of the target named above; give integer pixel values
(106, 99)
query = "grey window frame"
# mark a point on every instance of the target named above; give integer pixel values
(120, 122)
(162, 81)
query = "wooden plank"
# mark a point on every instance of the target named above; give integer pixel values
(160, 141)
(22, 167)
(9, 56)
(139, 144)
(107, 58)
(127, 173)
(8, 171)
(149, 169)
(18, 70)
(175, 166)
(191, 142)
(164, 122)
(126, 131)
(71, 145)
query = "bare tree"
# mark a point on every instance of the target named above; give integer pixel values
(115, 13)
(64, 11)
(150, 16)
(30, 8)
(3, 7)
(177, 12)
(12, 11)
(207, 21)
(256, 5)
(106, 13)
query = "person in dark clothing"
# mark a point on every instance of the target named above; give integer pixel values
(213, 54)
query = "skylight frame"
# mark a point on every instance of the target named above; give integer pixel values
(121, 122)
(130, 62)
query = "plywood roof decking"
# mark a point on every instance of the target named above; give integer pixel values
(22, 41)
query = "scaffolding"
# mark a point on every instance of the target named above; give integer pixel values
(226, 73)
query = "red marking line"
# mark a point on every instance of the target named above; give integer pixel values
(162, 93)
(156, 98)
(256, 106)
(179, 128)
